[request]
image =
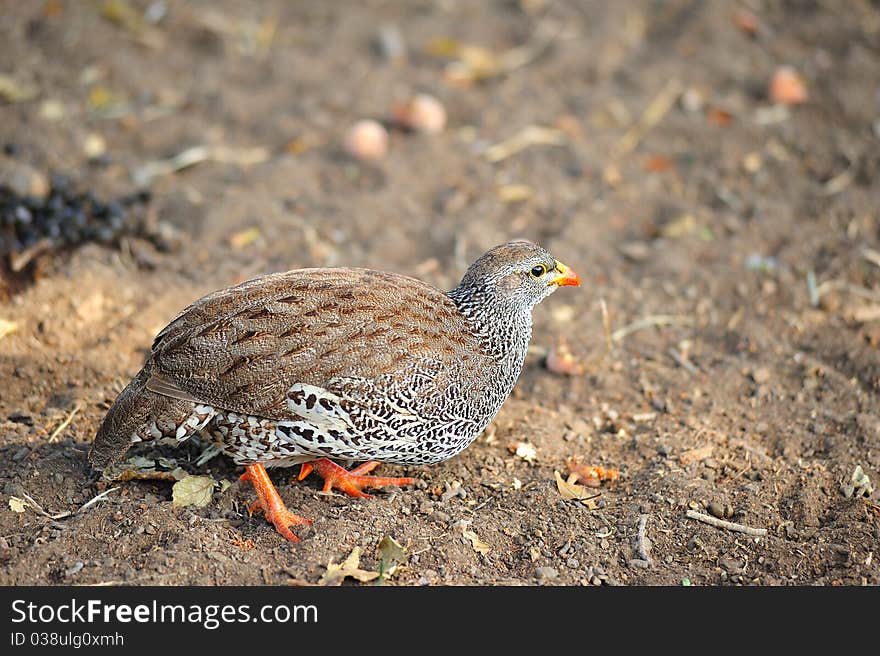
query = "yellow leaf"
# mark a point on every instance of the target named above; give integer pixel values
(193, 491)
(515, 193)
(679, 227)
(478, 545)
(244, 237)
(12, 91)
(7, 327)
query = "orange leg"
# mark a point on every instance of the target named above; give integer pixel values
(351, 482)
(270, 502)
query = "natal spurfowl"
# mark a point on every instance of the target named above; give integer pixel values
(315, 365)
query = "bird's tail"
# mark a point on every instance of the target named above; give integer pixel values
(140, 414)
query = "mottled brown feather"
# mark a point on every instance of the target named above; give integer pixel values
(242, 348)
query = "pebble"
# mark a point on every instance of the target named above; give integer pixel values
(426, 508)
(390, 43)
(73, 569)
(761, 375)
(23, 180)
(732, 565)
(546, 573)
(367, 140)
(423, 113)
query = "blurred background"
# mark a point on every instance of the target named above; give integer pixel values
(709, 168)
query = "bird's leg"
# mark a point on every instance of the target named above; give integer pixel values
(270, 502)
(351, 482)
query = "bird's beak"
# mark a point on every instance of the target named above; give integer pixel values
(565, 276)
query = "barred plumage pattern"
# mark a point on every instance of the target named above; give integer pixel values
(351, 364)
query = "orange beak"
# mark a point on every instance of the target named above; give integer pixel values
(566, 276)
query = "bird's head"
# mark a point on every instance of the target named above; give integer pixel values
(519, 273)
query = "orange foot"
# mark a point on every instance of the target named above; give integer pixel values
(351, 482)
(270, 502)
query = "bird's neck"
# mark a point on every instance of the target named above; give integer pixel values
(503, 328)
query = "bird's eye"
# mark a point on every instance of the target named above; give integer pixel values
(539, 271)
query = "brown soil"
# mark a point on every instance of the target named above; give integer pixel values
(750, 402)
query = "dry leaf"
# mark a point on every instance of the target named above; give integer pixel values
(515, 193)
(787, 87)
(478, 545)
(12, 91)
(17, 505)
(391, 554)
(336, 574)
(589, 475)
(719, 117)
(145, 469)
(659, 163)
(193, 491)
(695, 455)
(7, 327)
(679, 227)
(570, 490)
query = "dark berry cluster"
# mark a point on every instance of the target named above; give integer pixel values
(65, 217)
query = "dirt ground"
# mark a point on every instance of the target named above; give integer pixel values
(734, 242)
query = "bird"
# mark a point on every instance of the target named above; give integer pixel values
(318, 366)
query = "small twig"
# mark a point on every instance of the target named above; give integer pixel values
(647, 322)
(64, 424)
(643, 544)
(730, 526)
(532, 135)
(95, 499)
(653, 114)
(872, 256)
(682, 361)
(842, 285)
(36, 507)
(839, 182)
(606, 324)
(812, 289)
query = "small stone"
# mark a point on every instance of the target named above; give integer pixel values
(716, 509)
(693, 100)
(390, 43)
(21, 454)
(367, 140)
(426, 508)
(73, 569)
(572, 563)
(24, 180)
(546, 573)
(731, 564)
(761, 375)
(423, 113)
